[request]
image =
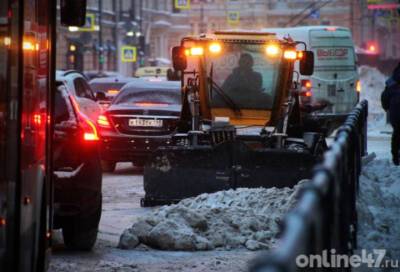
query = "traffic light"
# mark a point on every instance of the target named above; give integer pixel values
(142, 43)
(73, 53)
(72, 48)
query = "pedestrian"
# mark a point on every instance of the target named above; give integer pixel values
(390, 99)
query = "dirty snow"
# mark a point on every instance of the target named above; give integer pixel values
(379, 208)
(230, 219)
(372, 85)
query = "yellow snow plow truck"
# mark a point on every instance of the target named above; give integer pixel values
(241, 122)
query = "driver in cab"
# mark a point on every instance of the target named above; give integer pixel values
(244, 85)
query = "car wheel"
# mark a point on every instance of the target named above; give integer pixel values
(80, 232)
(108, 166)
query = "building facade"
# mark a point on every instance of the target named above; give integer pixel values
(153, 27)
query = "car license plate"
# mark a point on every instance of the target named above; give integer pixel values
(145, 123)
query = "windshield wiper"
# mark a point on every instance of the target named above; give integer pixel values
(228, 101)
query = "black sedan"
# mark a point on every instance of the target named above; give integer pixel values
(141, 117)
(77, 172)
(108, 87)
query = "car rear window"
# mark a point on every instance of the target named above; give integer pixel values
(105, 87)
(172, 97)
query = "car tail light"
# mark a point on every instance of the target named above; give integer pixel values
(90, 130)
(102, 121)
(306, 93)
(37, 119)
(306, 83)
(151, 104)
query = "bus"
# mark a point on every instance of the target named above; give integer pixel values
(27, 72)
(335, 81)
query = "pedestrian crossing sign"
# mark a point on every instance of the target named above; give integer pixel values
(182, 4)
(233, 17)
(128, 54)
(90, 23)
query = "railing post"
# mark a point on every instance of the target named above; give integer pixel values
(325, 216)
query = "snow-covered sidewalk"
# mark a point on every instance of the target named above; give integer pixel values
(379, 201)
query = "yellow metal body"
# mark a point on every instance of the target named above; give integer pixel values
(247, 117)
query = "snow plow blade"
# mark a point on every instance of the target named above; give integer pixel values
(175, 173)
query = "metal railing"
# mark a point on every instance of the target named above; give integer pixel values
(325, 216)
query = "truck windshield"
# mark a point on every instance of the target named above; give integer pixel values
(245, 74)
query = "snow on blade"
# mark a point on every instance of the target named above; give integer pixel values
(242, 218)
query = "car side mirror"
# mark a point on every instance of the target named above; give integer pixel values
(179, 58)
(100, 96)
(307, 63)
(73, 12)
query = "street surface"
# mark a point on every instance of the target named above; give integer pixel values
(122, 191)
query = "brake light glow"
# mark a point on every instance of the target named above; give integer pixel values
(306, 93)
(37, 119)
(90, 137)
(102, 121)
(306, 83)
(372, 48)
(113, 91)
(331, 28)
(358, 86)
(90, 130)
(150, 104)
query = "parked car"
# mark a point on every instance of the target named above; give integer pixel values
(107, 88)
(141, 117)
(77, 172)
(79, 88)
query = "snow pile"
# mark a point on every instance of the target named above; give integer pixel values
(228, 219)
(379, 208)
(372, 85)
